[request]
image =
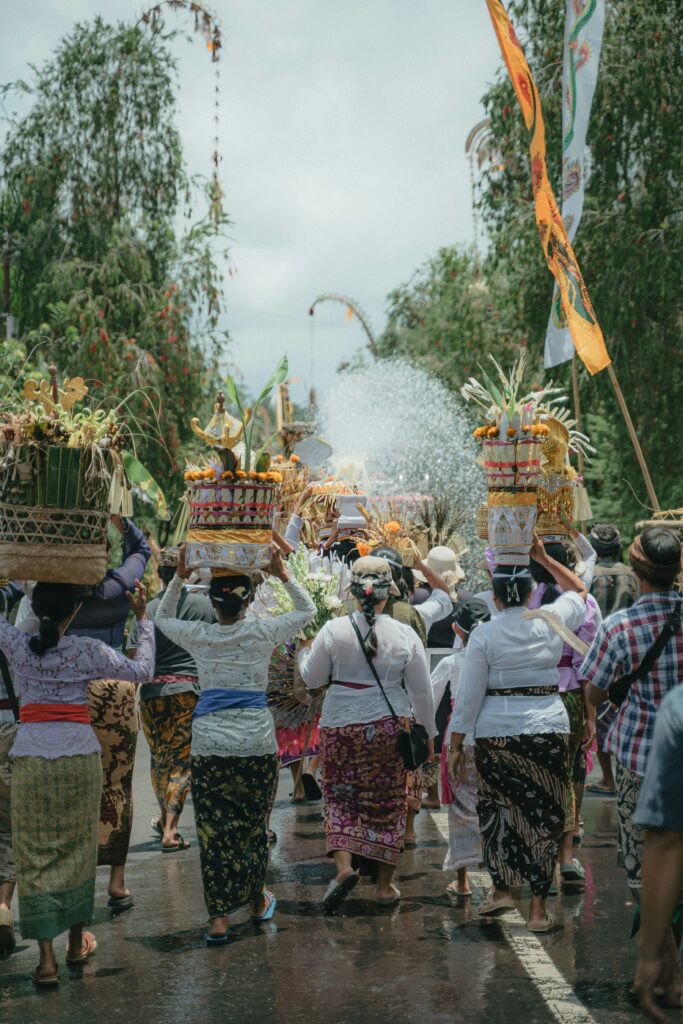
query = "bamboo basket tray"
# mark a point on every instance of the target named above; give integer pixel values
(53, 545)
(231, 524)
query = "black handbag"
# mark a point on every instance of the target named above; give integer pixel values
(618, 691)
(410, 743)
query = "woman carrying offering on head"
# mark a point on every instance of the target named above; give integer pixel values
(234, 750)
(509, 700)
(363, 775)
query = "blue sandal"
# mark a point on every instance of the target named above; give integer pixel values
(216, 940)
(269, 911)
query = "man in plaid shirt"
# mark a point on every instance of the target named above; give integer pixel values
(614, 587)
(619, 647)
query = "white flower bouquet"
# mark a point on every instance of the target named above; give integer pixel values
(324, 588)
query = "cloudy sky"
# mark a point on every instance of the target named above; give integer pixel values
(343, 127)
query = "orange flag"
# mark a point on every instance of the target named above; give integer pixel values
(581, 320)
(349, 313)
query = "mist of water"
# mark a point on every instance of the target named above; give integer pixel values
(404, 432)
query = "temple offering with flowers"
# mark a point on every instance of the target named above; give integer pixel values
(526, 441)
(62, 475)
(233, 494)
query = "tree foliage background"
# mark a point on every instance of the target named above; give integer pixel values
(113, 277)
(629, 244)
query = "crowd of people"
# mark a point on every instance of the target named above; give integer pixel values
(577, 652)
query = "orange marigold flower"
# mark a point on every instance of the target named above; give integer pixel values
(295, 458)
(392, 526)
(240, 474)
(363, 549)
(511, 432)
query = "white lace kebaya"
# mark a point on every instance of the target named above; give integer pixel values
(233, 657)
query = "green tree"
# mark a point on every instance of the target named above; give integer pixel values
(630, 245)
(103, 282)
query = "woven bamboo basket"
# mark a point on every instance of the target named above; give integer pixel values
(231, 524)
(53, 545)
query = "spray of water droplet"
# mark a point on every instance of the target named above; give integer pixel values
(408, 433)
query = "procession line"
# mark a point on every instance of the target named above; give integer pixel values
(558, 995)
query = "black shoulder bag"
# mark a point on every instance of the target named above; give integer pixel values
(411, 743)
(618, 691)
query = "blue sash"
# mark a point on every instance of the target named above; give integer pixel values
(218, 700)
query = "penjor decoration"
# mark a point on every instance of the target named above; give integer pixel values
(576, 304)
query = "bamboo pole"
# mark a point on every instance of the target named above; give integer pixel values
(634, 438)
(577, 417)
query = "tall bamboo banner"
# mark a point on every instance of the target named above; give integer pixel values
(584, 26)
(576, 305)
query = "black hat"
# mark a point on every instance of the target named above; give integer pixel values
(470, 613)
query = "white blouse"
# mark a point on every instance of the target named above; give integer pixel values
(508, 653)
(401, 665)
(449, 670)
(233, 657)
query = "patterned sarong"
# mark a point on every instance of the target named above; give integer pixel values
(167, 724)
(631, 836)
(55, 808)
(521, 806)
(363, 780)
(232, 797)
(8, 731)
(575, 706)
(115, 720)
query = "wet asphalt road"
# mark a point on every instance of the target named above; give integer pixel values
(426, 961)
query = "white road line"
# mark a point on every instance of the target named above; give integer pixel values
(557, 994)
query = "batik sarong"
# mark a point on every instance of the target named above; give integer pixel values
(363, 780)
(232, 798)
(575, 706)
(521, 806)
(115, 720)
(464, 838)
(8, 732)
(55, 809)
(167, 724)
(631, 836)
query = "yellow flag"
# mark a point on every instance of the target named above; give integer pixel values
(582, 322)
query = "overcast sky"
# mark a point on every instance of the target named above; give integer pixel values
(343, 127)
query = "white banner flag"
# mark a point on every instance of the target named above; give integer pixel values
(582, 43)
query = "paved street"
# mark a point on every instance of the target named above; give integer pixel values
(425, 962)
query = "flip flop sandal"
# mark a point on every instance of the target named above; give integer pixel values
(338, 891)
(182, 844)
(269, 911)
(453, 890)
(592, 787)
(8, 939)
(216, 940)
(572, 873)
(157, 830)
(121, 902)
(541, 927)
(491, 907)
(90, 944)
(44, 980)
(390, 902)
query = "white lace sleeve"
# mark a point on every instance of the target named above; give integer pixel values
(473, 686)
(184, 634)
(419, 687)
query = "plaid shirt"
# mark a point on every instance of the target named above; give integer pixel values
(620, 645)
(614, 586)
